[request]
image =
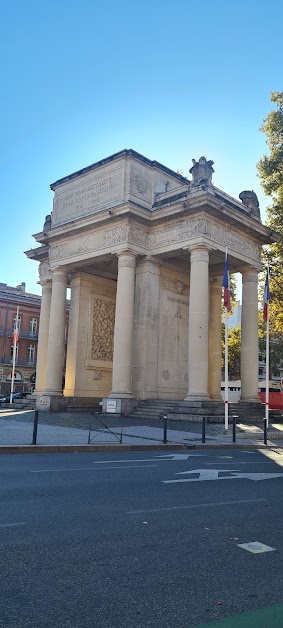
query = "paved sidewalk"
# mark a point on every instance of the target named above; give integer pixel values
(71, 429)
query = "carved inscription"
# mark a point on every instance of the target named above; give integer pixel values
(87, 195)
(173, 285)
(103, 330)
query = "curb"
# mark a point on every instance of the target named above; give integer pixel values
(51, 449)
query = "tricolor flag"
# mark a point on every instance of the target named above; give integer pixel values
(226, 285)
(266, 298)
(15, 333)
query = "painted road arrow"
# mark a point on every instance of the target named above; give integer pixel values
(213, 474)
(179, 456)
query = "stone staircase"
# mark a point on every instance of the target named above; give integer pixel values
(195, 410)
(28, 403)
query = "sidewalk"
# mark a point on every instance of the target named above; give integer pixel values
(72, 430)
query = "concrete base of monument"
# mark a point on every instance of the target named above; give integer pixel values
(197, 396)
(251, 399)
(59, 403)
(119, 405)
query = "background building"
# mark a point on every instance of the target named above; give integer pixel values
(29, 312)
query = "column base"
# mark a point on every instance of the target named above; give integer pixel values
(249, 399)
(197, 396)
(118, 405)
(216, 398)
(50, 403)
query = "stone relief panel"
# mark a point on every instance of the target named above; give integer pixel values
(44, 271)
(175, 285)
(173, 336)
(103, 330)
(141, 183)
(87, 194)
(203, 226)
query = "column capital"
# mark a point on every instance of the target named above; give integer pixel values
(127, 258)
(199, 253)
(59, 275)
(250, 275)
(46, 286)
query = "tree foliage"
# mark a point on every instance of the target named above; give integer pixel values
(270, 169)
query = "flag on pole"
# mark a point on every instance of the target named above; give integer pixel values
(266, 298)
(16, 332)
(226, 285)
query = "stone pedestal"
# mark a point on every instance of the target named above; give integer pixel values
(249, 337)
(124, 320)
(214, 340)
(198, 325)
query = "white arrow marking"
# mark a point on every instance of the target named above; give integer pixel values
(168, 458)
(213, 474)
(180, 456)
(207, 474)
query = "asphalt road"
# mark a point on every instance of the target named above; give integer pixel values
(105, 541)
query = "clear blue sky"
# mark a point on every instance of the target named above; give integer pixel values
(172, 80)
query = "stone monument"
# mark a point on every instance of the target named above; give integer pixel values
(142, 250)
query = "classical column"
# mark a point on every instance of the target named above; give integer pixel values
(56, 341)
(198, 324)
(124, 320)
(146, 328)
(249, 336)
(43, 334)
(214, 339)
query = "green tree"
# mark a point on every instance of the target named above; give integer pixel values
(270, 169)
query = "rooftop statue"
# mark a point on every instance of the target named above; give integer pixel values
(250, 200)
(202, 172)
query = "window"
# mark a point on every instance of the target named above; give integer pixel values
(12, 348)
(33, 326)
(19, 321)
(31, 353)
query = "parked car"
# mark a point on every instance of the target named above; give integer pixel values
(17, 395)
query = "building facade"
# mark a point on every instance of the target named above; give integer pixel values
(142, 249)
(26, 349)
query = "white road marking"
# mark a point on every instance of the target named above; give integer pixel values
(12, 525)
(180, 456)
(156, 459)
(241, 501)
(265, 462)
(213, 474)
(256, 547)
(136, 466)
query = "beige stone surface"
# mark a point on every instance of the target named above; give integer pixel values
(149, 326)
(43, 337)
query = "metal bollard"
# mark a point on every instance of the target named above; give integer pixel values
(203, 430)
(265, 431)
(234, 427)
(165, 429)
(35, 422)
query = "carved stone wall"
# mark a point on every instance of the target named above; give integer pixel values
(84, 195)
(158, 238)
(173, 336)
(103, 330)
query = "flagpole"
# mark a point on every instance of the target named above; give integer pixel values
(267, 361)
(14, 357)
(226, 402)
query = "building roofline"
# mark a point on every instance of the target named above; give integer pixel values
(125, 152)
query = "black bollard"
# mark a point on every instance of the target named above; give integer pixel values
(234, 427)
(35, 422)
(203, 430)
(165, 429)
(265, 431)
